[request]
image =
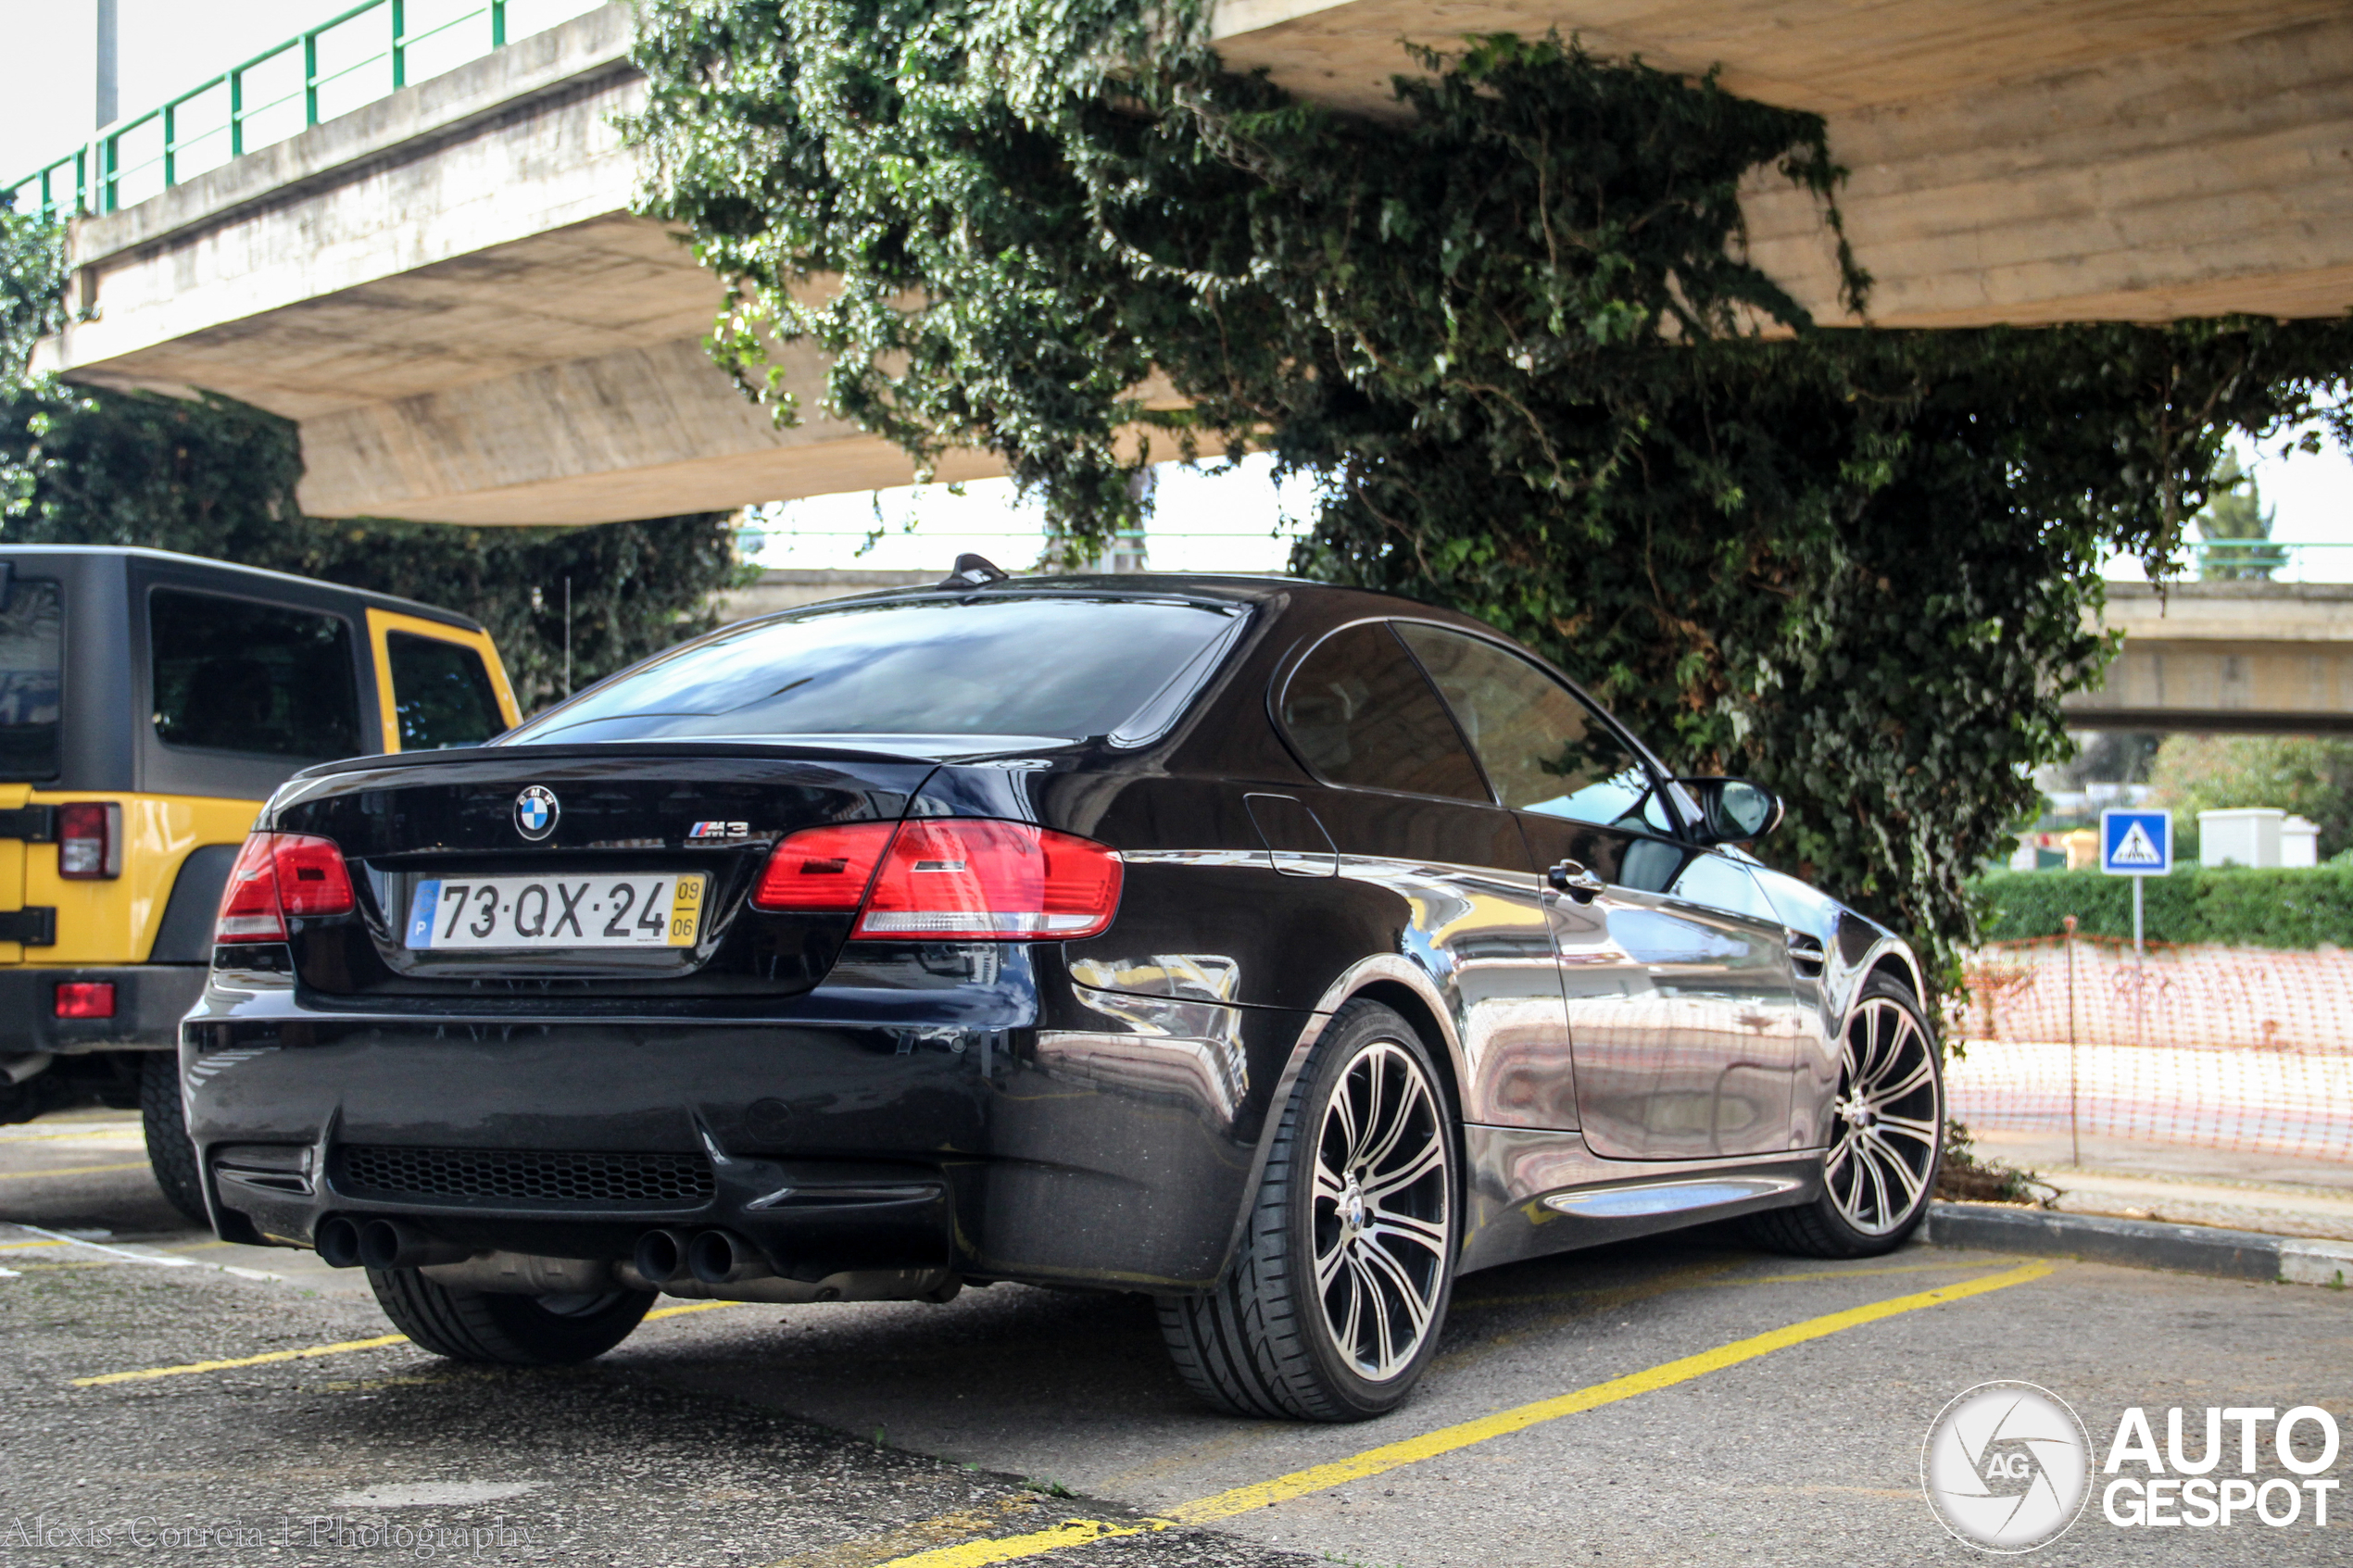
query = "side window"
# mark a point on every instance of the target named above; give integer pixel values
(230, 676)
(1361, 713)
(31, 667)
(440, 691)
(1542, 748)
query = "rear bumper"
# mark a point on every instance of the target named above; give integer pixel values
(149, 1001)
(964, 1127)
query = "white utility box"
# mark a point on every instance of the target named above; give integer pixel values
(2244, 836)
(2299, 842)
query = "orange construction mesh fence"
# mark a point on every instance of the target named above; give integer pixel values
(2237, 1049)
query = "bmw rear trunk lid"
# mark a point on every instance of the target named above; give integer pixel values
(603, 871)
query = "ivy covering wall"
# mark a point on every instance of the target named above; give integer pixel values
(214, 477)
(1511, 326)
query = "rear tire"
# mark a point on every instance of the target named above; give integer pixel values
(163, 1117)
(505, 1330)
(1334, 1306)
(1886, 1138)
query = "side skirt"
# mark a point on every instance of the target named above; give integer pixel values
(1534, 1192)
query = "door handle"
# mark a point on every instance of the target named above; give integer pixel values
(1573, 879)
(1805, 955)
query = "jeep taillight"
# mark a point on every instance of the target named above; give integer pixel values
(89, 840)
(947, 880)
(279, 874)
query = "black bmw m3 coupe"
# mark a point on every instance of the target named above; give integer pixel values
(1281, 950)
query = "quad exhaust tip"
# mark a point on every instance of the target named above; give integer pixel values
(337, 1240)
(661, 1256)
(396, 1243)
(718, 1257)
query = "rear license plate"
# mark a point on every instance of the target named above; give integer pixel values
(556, 911)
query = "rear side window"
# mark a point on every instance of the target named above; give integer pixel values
(1544, 749)
(232, 675)
(1361, 713)
(31, 661)
(441, 692)
(1045, 666)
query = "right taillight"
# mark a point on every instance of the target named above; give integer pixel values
(279, 874)
(947, 880)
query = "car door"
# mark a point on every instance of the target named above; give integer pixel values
(1407, 812)
(1674, 971)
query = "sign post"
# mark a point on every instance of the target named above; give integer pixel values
(2138, 844)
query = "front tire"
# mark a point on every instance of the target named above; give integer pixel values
(505, 1330)
(164, 1119)
(1886, 1136)
(1333, 1308)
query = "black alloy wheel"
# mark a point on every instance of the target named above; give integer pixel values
(1886, 1136)
(504, 1329)
(1335, 1304)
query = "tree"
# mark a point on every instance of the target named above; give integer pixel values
(2308, 776)
(1514, 331)
(2235, 518)
(209, 476)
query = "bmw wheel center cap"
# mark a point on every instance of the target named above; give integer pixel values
(535, 812)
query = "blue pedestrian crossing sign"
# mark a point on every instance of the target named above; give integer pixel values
(2136, 842)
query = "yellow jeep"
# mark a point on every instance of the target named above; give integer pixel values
(149, 703)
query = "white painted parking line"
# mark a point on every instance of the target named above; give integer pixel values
(152, 1259)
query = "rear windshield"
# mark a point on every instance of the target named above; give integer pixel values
(1060, 666)
(31, 657)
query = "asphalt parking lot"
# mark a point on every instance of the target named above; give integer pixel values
(1687, 1400)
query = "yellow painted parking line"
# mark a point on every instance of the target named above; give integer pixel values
(308, 1352)
(694, 1306)
(19, 1245)
(1009, 1548)
(71, 1171)
(1464, 1434)
(344, 1347)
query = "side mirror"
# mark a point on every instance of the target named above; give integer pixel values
(1733, 810)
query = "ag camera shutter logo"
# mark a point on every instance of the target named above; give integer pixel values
(2007, 1467)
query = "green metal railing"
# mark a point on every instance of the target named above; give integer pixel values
(367, 53)
(2269, 560)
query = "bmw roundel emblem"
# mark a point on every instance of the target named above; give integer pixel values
(535, 812)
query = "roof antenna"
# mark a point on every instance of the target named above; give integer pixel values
(973, 572)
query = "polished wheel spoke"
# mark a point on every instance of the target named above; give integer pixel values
(1432, 1157)
(1425, 1233)
(1911, 1127)
(1328, 1264)
(1381, 1210)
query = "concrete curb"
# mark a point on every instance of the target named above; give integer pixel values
(2144, 1244)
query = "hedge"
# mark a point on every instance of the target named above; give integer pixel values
(2240, 905)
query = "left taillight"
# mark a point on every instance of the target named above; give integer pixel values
(279, 874)
(89, 840)
(953, 879)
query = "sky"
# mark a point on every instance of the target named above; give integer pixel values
(1234, 519)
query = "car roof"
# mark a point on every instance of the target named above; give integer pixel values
(259, 577)
(1233, 586)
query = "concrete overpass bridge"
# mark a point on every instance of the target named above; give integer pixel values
(446, 288)
(2227, 657)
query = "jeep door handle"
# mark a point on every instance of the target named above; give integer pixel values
(1573, 879)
